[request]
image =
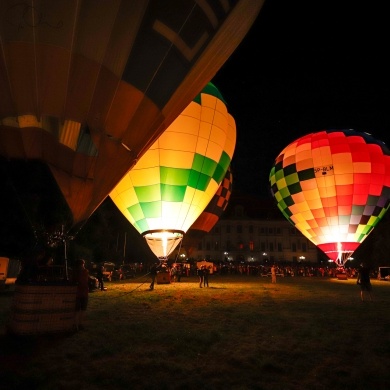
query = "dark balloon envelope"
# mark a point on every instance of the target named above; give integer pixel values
(86, 87)
(334, 187)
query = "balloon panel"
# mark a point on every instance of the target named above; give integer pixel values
(334, 187)
(87, 86)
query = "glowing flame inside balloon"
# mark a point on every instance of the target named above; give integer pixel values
(334, 187)
(176, 178)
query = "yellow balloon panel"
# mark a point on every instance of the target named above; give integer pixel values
(180, 159)
(143, 177)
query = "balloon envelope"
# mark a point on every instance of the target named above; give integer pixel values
(87, 86)
(210, 216)
(174, 181)
(334, 187)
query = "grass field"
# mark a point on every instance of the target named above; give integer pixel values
(240, 333)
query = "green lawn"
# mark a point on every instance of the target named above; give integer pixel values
(240, 333)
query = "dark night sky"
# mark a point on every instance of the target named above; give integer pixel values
(305, 66)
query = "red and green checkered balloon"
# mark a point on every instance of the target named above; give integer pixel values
(334, 187)
(174, 181)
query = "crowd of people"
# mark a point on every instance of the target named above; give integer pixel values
(289, 269)
(363, 275)
(178, 271)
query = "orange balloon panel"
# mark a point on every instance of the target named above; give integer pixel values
(334, 187)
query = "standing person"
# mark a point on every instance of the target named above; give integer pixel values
(80, 276)
(201, 275)
(153, 274)
(173, 273)
(99, 276)
(363, 279)
(178, 273)
(273, 274)
(206, 273)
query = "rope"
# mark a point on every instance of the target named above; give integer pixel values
(127, 292)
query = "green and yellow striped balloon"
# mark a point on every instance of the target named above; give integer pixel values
(174, 181)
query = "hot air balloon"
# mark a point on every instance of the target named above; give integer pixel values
(174, 181)
(87, 86)
(210, 216)
(334, 187)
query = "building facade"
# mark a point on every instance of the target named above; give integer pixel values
(252, 234)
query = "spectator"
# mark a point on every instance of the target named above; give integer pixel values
(178, 272)
(206, 273)
(99, 276)
(273, 274)
(80, 276)
(153, 274)
(200, 272)
(363, 279)
(173, 273)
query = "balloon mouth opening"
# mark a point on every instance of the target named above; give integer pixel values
(163, 242)
(160, 234)
(340, 252)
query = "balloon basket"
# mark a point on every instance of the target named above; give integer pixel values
(41, 309)
(163, 278)
(341, 276)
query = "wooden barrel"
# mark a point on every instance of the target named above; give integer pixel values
(39, 309)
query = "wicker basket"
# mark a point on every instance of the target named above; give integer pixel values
(38, 309)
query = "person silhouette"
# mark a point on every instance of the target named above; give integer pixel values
(80, 276)
(99, 276)
(363, 279)
(201, 275)
(273, 274)
(206, 273)
(153, 274)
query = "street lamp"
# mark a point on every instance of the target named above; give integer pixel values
(264, 257)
